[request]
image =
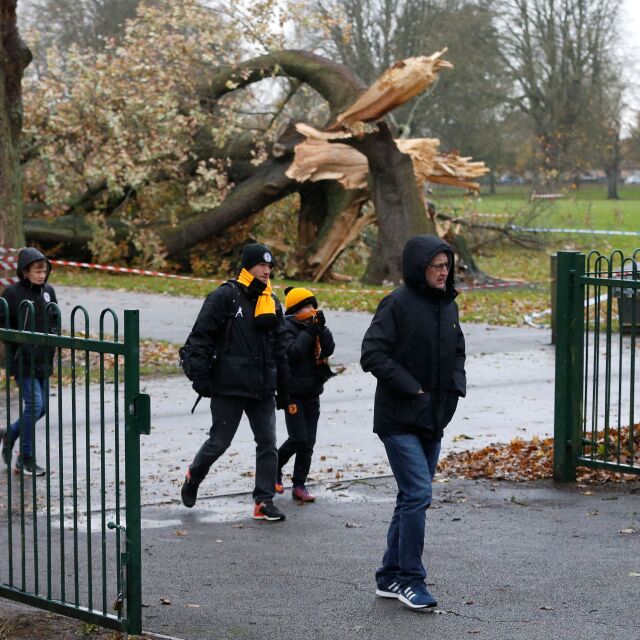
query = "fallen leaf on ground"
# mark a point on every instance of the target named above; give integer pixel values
(523, 460)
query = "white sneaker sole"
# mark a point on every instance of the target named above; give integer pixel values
(411, 605)
(386, 594)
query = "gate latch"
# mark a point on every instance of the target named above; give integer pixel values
(140, 408)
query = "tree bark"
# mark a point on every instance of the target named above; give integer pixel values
(334, 82)
(612, 164)
(14, 58)
(399, 206)
(268, 185)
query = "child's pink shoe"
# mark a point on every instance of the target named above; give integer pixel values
(301, 494)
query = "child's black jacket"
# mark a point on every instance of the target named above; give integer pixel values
(306, 376)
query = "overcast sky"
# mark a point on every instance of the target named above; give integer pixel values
(630, 43)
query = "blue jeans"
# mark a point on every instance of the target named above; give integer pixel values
(413, 462)
(34, 405)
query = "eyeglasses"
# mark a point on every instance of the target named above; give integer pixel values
(441, 266)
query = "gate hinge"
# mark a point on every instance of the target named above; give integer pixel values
(140, 408)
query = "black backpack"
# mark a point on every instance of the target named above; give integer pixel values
(197, 364)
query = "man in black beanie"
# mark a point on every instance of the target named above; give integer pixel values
(238, 355)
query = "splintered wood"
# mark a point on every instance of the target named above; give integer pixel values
(318, 158)
(404, 80)
(323, 157)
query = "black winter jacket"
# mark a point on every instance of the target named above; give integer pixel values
(300, 347)
(250, 362)
(415, 343)
(20, 317)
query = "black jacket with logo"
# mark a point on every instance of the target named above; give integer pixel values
(45, 317)
(415, 344)
(249, 362)
(301, 346)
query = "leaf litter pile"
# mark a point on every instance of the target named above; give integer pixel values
(520, 460)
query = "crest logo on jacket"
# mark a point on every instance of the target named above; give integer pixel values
(46, 296)
(239, 313)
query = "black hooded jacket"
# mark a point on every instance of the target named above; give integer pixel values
(250, 362)
(45, 319)
(415, 344)
(305, 379)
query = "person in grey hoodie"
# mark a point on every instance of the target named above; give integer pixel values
(30, 365)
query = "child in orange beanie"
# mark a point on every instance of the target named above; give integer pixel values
(309, 344)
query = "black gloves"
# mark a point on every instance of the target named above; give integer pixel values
(282, 401)
(203, 387)
(312, 329)
(316, 325)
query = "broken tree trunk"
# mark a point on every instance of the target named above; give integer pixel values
(400, 209)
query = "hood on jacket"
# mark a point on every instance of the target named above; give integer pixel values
(28, 256)
(417, 254)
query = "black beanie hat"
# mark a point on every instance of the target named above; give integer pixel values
(255, 253)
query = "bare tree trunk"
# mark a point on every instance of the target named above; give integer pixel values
(612, 165)
(612, 185)
(14, 58)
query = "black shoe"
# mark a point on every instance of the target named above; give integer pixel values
(189, 491)
(267, 511)
(28, 467)
(7, 446)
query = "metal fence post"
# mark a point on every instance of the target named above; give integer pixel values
(569, 364)
(132, 472)
(553, 264)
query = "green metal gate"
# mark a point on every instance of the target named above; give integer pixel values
(597, 327)
(70, 541)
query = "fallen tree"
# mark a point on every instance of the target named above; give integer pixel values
(330, 216)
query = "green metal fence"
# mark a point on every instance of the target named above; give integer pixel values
(70, 540)
(597, 327)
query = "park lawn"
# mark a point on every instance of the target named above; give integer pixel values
(584, 208)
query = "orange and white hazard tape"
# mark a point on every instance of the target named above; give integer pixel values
(9, 262)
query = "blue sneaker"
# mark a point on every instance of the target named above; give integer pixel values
(417, 596)
(390, 589)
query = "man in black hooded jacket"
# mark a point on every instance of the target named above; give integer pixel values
(31, 365)
(415, 348)
(239, 354)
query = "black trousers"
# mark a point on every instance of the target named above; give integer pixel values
(302, 428)
(226, 412)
